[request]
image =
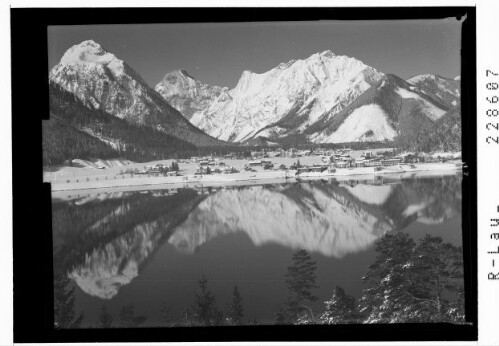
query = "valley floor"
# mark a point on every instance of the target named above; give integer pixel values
(86, 174)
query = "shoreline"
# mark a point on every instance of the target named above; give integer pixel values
(193, 180)
(139, 182)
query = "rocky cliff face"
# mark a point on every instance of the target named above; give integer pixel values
(187, 94)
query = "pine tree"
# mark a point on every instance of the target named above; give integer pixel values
(105, 320)
(411, 282)
(301, 281)
(204, 310)
(437, 270)
(236, 310)
(340, 308)
(127, 318)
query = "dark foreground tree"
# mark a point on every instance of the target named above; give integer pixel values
(236, 309)
(105, 319)
(413, 282)
(64, 315)
(301, 281)
(386, 275)
(204, 310)
(436, 274)
(340, 308)
(128, 319)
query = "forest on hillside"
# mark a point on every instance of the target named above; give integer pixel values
(75, 131)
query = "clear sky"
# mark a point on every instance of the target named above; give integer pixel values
(217, 54)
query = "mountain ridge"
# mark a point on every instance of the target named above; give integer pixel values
(230, 117)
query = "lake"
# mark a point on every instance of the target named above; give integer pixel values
(148, 250)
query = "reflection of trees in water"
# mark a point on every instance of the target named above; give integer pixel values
(64, 314)
(128, 318)
(104, 319)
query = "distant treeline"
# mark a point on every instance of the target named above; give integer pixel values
(351, 145)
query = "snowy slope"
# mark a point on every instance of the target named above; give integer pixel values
(102, 81)
(366, 123)
(287, 98)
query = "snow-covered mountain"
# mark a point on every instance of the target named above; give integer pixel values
(445, 90)
(187, 94)
(103, 81)
(325, 98)
(284, 100)
(389, 107)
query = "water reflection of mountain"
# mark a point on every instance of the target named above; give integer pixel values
(102, 243)
(329, 218)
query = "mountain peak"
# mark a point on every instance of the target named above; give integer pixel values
(90, 43)
(423, 77)
(327, 52)
(185, 93)
(184, 73)
(177, 74)
(87, 51)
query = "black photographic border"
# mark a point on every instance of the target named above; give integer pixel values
(32, 231)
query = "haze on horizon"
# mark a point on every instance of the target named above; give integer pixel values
(218, 53)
